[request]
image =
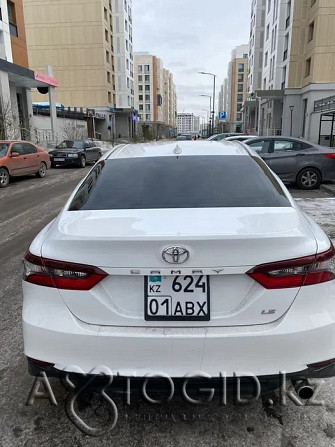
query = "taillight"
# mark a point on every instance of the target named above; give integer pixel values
(330, 156)
(60, 274)
(298, 272)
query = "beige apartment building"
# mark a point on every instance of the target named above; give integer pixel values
(311, 77)
(77, 40)
(155, 95)
(237, 88)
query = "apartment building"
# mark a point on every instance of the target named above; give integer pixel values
(155, 95)
(89, 45)
(292, 67)
(16, 80)
(236, 88)
(185, 123)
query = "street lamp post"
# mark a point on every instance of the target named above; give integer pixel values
(291, 126)
(210, 111)
(214, 81)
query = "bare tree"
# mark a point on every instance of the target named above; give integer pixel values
(74, 131)
(10, 127)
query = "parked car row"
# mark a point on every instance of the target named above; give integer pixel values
(294, 160)
(19, 158)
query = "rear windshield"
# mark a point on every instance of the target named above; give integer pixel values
(72, 145)
(179, 182)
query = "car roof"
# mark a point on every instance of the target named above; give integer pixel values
(180, 148)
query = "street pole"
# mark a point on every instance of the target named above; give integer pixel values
(214, 82)
(213, 120)
(210, 111)
(291, 126)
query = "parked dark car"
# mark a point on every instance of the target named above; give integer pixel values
(77, 153)
(295, 160)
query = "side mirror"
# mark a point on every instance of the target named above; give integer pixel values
(14, 154)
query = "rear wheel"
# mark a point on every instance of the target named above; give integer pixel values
(4, 177)
(82, 161)
(309, 178)
(42, 171)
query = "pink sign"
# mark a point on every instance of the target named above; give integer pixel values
(46, 79)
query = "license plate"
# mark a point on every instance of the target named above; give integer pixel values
(59, 159)
(176, 298)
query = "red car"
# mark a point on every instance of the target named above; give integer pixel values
(21, 158)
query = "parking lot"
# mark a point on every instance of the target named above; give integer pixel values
(26, 206)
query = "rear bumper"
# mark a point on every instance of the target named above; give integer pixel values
(67, 162)
(305, 335)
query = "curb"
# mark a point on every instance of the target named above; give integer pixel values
(328, 188)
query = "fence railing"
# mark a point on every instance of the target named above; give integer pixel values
(325, 104)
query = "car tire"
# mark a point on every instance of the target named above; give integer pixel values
(82, 161)
(309, 178)
(4, 177)
(42, 170)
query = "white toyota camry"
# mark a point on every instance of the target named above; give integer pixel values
(182, 257)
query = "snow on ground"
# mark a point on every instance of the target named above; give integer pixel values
(323, 212)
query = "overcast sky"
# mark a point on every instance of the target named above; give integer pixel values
(191, 36)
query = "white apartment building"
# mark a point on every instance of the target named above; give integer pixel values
(292, 69)
(185, 122)
(122, 27)
(269, 55)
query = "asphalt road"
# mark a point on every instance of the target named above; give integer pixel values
(25, 207)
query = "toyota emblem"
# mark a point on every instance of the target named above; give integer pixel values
(175, 255)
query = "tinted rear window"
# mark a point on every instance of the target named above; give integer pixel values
(179, 182)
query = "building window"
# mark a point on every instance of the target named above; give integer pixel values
(12, 19)
(147, 107)
(266, 59)
(148, 117)
(308, 67)
(245, 56)
(284, 78)
(140, 78)
(239, 107)
(140, 97)
(238, 116)
(109, 97)
(147, 88)
(239, 98)
(147, 98)
(310, 32)
(269, 5)
(146, 68)
(139, 68)
(240, 87)
(286, 47)
(267, 32)
(240, 67)
(240, 77)
(147, 78)
(107, 56)
(140, 106)
(108, 77)
(106, 36)
(126, 25)
(140, 88)
(105, 13)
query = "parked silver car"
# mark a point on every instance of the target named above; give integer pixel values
(295, 160)
(222, 136)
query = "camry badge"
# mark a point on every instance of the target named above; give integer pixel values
(175, 255)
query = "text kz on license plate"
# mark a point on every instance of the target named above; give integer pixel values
(176, 298)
